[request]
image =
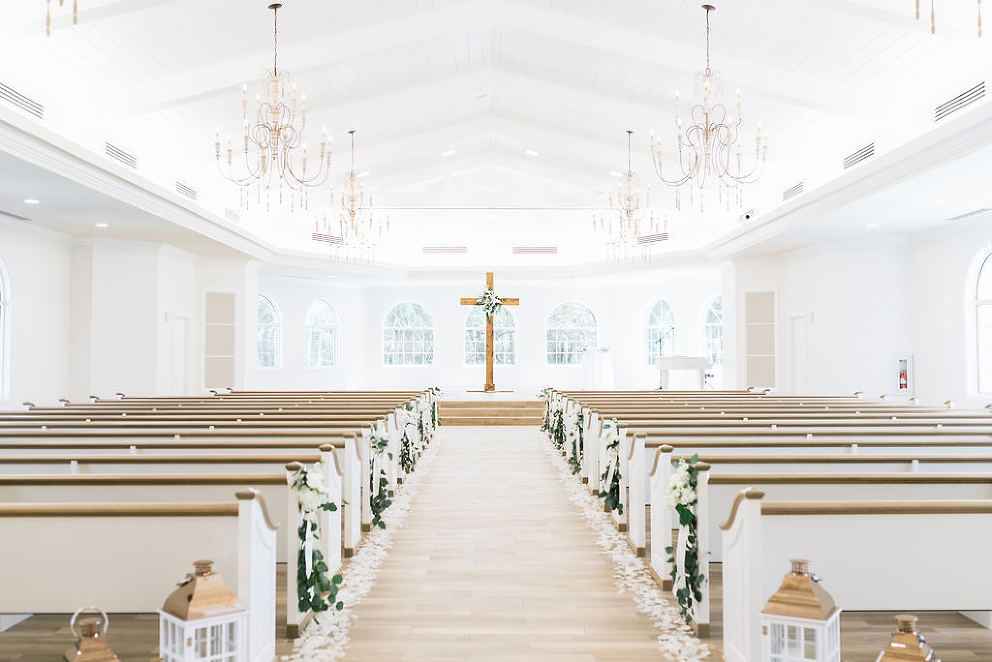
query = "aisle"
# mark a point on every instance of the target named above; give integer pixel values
(495, 564)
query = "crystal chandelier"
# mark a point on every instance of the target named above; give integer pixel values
(275, 156)
(710, 151)
(933, 17)
(357, 230)
(75, 14)
(629, 217)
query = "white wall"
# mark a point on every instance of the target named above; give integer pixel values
(945, 264)
(38, 265)
(620, 304)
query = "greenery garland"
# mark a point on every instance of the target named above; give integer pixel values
(546, 396)
(313, 586)
(379, 484)
(683, 497)
(611, 495)
(408, 453)
(574, 432)
(490, 303)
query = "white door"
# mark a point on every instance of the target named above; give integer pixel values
(180, 333)
(800, 355)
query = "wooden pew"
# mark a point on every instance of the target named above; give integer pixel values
(717, 494)
(872, 555)
(128, 557)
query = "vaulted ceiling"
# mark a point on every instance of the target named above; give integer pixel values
(491, 123)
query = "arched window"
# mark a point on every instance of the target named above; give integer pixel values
(659, 334)
(4, 331)
(408, 336)
(713, 332)
(475, 337)
(269, 333)
(983, 317)
(321, 335)
(571, 331)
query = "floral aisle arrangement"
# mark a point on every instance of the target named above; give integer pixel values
(317, 592)
(611, 476)
(490, 303)
(409, 424)
(378, 480)
(435, 395)
(687, 578)
(548, 396)
(572, 423)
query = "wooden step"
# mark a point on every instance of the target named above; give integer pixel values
(491, 412)
(491, 420)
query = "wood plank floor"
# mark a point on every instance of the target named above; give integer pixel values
(495, 564)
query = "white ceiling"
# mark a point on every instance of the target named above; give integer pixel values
(489, 80)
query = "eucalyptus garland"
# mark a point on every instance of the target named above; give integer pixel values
(378, 481)
(408, 444)
(611, 475)
(547, 397)
(490, 303)
(558, 429)
(315, 592)
(687, 578)
(435, 392)
(573, 430)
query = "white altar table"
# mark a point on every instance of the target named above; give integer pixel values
(666, 364)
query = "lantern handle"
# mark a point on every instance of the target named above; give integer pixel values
(82, 610)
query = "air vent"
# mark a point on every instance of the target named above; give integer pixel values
(232, 215)
(118, 154)
(535, 250)
(188, 191)
(652, 238)
(15, 98)
(444, 250)
(11, 214)
(749, 215)
(966, 98)
(793, 191)
(327, 238)
(865, 152)
(976, 212)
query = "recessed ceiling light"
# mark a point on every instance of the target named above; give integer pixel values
(32, 201)
(101, 225)
(871, 225)
(448, 153)
(530, 152)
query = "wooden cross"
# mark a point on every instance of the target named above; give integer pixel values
(490, 342)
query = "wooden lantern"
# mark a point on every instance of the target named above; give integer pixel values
(800, 622)
(907, 644)
(202, 620)
(91, 643)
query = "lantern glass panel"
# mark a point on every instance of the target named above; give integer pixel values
(200, 642)
(809, 643)
(778, 634)
(792, 645)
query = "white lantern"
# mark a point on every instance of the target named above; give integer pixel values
(800, 622)
(907, 644)
(202, 621)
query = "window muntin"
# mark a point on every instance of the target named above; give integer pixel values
(269, 330)
(408, 336)
(659, 333)
(713, 332)
(571, 331)
(503, 337)
(321, 329)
